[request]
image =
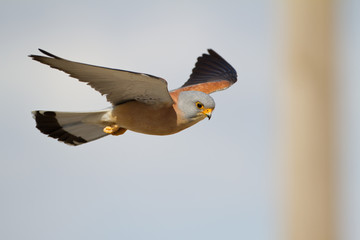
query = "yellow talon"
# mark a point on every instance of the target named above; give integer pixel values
(111, 129)
(114, 130)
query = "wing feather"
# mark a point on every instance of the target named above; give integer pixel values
(119, 86)
(211, 73)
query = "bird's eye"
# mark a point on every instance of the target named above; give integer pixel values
(199, 105)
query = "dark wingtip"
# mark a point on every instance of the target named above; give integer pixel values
(49, 54)
(210, 51)
(44, 52)
(215, 54)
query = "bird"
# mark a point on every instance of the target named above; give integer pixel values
(140, 102)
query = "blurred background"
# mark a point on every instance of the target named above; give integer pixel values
(233, 177)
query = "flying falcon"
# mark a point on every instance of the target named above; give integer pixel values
(140, 102)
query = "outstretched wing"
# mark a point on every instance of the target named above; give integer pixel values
(119, 86)
(211, 73)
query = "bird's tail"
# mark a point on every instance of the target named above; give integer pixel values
(72, 128)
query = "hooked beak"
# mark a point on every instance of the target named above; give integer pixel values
(208, 112)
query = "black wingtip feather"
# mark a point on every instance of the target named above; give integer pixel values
(35, 57)
(212, 52)
(49, 54)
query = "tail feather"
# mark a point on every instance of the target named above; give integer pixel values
(71, 128)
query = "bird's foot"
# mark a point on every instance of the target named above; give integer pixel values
(114, 130)
(111, 129)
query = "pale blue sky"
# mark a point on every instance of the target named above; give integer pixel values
(216, 180)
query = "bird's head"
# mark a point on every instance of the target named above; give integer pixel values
(195, 105)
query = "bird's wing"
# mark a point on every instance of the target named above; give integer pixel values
(119, 86)
(210, 74)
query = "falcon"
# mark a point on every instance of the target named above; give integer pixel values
(140, 102)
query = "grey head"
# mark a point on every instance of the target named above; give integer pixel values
(195, 105)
